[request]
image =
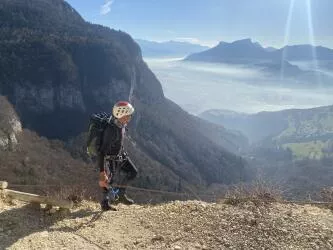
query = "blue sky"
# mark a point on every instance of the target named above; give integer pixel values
(270, 22)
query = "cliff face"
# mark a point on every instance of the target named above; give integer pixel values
(10, 125)
(56, 69)
(54, 66)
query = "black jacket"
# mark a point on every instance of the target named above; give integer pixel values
(112, 139)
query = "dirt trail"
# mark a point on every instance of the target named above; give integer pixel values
(175, 225)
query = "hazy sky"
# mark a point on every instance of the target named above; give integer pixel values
(270, 22)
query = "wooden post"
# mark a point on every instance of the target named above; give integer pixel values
(34, 198)
(3, 184)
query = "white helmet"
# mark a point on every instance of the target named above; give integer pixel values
(121, 109)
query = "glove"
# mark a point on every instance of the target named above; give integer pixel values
(103, 180)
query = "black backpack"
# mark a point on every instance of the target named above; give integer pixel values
(97, 124)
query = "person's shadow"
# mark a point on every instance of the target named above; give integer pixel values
(18, 223)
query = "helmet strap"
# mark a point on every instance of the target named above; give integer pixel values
(118, 124)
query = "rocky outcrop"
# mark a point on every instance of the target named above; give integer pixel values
(10, 125)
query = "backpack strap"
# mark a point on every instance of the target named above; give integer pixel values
(98, 123)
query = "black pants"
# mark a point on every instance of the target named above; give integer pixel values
(121, 172)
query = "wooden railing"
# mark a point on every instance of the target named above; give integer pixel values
(34, 198)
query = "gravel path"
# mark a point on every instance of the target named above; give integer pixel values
(175, 225)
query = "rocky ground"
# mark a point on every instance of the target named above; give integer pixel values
(174, 225)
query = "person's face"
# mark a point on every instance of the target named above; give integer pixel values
(125, 119)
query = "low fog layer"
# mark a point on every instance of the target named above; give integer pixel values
(201, 86)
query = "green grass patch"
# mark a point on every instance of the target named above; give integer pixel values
(311, 149)
(307, 126)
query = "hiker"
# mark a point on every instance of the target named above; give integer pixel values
(105, 141)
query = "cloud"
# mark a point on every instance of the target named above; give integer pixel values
(194, 40)
(188, 39)
(231, 87)
(106, 7)
(171, 32)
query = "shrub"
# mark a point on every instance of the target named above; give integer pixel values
(258, 192)
(326, 194)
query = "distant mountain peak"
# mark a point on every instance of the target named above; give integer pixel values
(240, 51)
(304, 46)
(270, 49)
(222, 43)
(246, 51)
(243, 41)
(169, 48)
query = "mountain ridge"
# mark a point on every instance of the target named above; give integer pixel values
(168, 49)
(278, 64)
(276, 123)
(246, 48)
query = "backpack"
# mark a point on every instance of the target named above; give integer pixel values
(97, 124)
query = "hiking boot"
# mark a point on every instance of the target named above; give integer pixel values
(125, 200)
(105, 206)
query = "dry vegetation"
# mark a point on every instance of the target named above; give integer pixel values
(7, 113)
(258, 192)
(327, 194)
(38, 161)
